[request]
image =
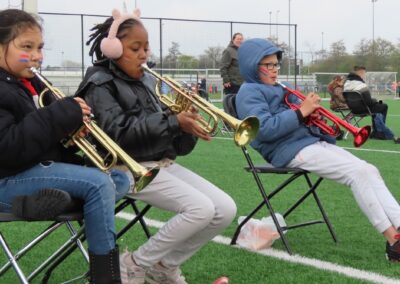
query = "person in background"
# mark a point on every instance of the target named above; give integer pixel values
(32, 155)
(229, 67)
(125, 105)
(355, 81)
(335, 89)
(285, 140)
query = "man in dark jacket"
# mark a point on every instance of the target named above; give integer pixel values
(356, 82)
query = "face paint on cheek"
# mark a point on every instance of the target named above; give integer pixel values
(24, 58)
(264, 71)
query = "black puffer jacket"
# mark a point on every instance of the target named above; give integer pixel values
(29, 135)
(131, 114)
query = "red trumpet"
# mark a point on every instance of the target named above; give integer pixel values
(360, 134)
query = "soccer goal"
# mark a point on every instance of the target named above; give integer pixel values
(380, 83)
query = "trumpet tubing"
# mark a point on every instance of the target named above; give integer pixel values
(245, 130)
(360, 134)
(143, 176)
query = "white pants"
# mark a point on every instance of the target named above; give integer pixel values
(203, 211)
(334, 163)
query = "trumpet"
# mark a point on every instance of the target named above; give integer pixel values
(360, 134)
(244, 130)
(142, 175)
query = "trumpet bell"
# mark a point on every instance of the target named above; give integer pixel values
(145, 179)
(361, 136)
(246, 130)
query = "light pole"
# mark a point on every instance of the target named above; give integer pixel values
(289, 43)
(322, 41)
(277, 35)
(270, 24)
(373, 26)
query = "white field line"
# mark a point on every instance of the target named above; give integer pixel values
(316, 263)
(348, 148)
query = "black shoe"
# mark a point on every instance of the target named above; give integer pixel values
(45, 204)
(377, 135)
(396, 140)
(393, 251)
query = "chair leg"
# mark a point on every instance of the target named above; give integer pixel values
(245, 220)
(12, 260)
(326, 219)
(75, 241)
(138, 218)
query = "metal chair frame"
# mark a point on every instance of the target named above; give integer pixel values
(77, 237)
(294, 173)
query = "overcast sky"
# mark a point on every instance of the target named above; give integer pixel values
(319, 22)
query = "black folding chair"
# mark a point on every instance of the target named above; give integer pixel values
(294, 174)
(357, 105)
(77, 237)
(127, 201)
(65, 219)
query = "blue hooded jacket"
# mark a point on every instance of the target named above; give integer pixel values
(281, 135)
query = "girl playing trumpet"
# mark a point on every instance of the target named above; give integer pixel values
(32, 157)
(126, 107)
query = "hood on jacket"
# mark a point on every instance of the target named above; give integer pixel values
(250, 53)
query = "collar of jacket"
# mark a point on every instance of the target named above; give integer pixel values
(5, 76)
(232, 45)
(354, 77)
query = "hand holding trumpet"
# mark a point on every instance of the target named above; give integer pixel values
(188, 123)
(87, 113)
(310, 104)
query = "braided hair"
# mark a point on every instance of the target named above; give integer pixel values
(100, 31)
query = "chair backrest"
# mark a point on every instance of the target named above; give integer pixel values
(229, 104)
(356, 103)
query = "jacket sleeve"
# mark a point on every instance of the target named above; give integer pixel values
(251, 102)
(225, 63)
(25, 141)
(140, 135)
(367, 98)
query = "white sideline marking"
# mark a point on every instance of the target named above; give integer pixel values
(316, 263)
(348, 148)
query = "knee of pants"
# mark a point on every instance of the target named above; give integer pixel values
(364, 171)
(103, 189)
(227, 210)
(202, 211)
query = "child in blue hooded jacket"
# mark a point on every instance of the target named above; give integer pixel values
(285, 140)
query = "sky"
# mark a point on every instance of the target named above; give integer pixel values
(319, 22)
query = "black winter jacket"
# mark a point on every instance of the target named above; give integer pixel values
(356, 83)
(131, 114)
(29, 135)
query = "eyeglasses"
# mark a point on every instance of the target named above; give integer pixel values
(271, 66)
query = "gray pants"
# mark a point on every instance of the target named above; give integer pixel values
(203, 211)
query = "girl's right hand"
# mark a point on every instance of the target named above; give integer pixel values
(310, 104)
(188, 123)
(86, 111)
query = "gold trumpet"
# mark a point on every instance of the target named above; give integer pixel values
(244, 130)
(142, 175)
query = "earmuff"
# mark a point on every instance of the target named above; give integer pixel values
(111, 46)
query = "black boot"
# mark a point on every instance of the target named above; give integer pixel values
(104, 269)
